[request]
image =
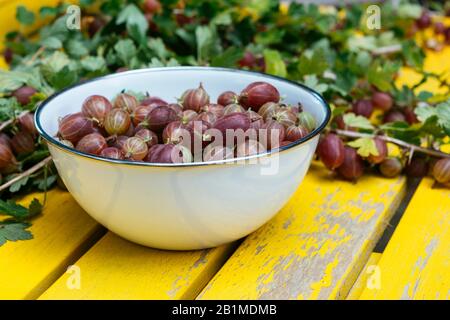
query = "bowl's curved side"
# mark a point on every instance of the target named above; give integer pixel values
(184, 208)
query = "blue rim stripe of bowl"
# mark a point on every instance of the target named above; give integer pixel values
(299, 142)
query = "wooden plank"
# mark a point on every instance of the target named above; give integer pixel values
(316, 246)
(118, 269)
(366, 273)
(416, 262)
(61, 235)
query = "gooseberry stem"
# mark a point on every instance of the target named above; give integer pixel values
(26, 173)
(411, 147)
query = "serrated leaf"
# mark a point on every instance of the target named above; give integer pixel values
(132, 16)
(52, 43)
(228, 58)
(125, 50)
(364, 146)
(313, 62)
(14, 231)
(76, 48)
(159, 48)
(18, 185)
(204, 40)
(354, 121)
(274, 63)
(93, 64)
(10, 208)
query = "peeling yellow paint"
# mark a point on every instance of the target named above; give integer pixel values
(326, 280)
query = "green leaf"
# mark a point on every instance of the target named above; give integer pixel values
(354, 121)
(443, 113)
(76, 48)
(313, 62)
(54, 63)
(10, 208)
(34, 208)
(364, 146)
(132, 16)
(381, 75)
(204, 40)
(52, 43)
(274, 63)
(10, 81)
(63, 78)
(93, 64)
(48, 12)
(14, 231)
(125, 50)
(228, 58)
(24, 16)
(312, 82)
(159, 48)
(19, 184)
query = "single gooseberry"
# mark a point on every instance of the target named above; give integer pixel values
(149, 137)
(159, 117)
(331, 151)
(248, 60)
(268, 110)
(135, 148)
(126, 102)
(112, 153)
(306, 120)
(22, 143)
(391, 167)
(417, 168)
(382, 100)
(176, 132)
(394, 116)
(26, 122)
(227, 97)
(118, 142)
(168, 153)
(5, 139)
(233, 108)
(232, 121)
(117, 122)
(410, 116)
(294, 133)
(7, 158)
(382, 151)
(195, 99)
(217, 153)
(249, 148)
(353, 166)
(152, 6)
(24, 94)
(92, 143)
(257, 94)
(216, 109)
(441, 170)
(363, 108)
(424, 21)
(95, 108)
(273, 134)
(285, 117)
(75, 126)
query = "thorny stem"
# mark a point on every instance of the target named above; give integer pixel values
(26, 173)
(413, 148)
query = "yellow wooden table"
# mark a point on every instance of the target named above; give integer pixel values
(319, 246)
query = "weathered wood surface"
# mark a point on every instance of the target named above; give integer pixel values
(118, 269)
(416, 261)
(368, 277)
(62, 233)
(316, 246)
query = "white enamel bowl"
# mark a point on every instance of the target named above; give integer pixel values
(181, 206)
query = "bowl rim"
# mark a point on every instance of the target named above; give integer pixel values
(51, 140)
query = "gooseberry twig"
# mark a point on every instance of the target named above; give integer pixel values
(26, 173)
(412, 147)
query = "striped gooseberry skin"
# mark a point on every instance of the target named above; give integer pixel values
(140, 114)
(6, 156)
(209, 117)
(96, 108)
(75, 126)
(26, 122)
(168, 153)
(441, 170)
(135, 148)
(117, 122)
(195, 99)
(149, 137)
(331, 151)
(126, 102)
(294, 133)
(353, 165)
(233, 108)
(274, 134)
(216, 109)
(160, 117)
(112, 153)
(256, 94)
(22, 143)
(217, 152)
(92, 143)
(227, 97)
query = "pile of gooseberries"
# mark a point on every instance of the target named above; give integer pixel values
(194, 128)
